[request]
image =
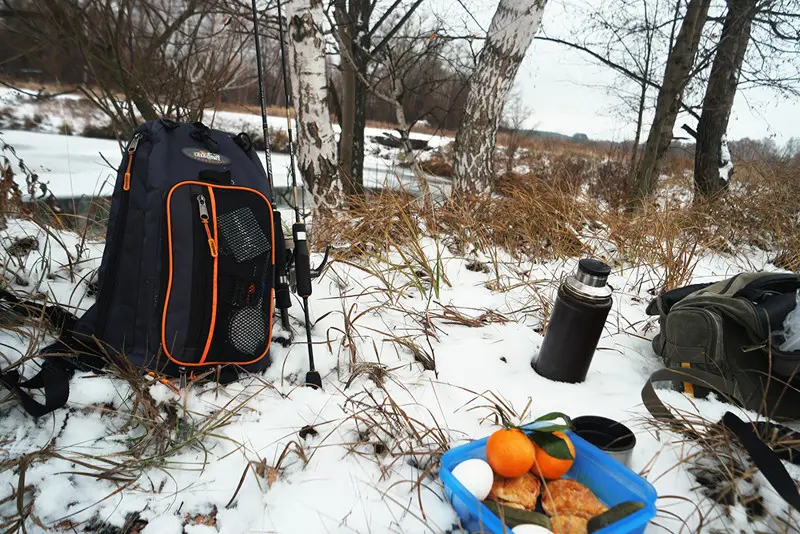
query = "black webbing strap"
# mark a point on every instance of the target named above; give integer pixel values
(55, 373)
(53, 379)
(761, 454)
(765, 459)
(59, 318)
(202, 133)
(216, 177)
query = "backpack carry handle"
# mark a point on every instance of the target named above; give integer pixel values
(667, 300)
(202, 133)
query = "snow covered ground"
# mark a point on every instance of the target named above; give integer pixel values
(338, 479)
(379, 421)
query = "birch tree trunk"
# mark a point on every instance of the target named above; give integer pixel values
(712, 160)
(316, 143)
(676, 76)
(514, 24)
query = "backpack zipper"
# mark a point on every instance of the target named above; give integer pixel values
(202, 274)
(126, 182)
(107, 293)
(212, 245)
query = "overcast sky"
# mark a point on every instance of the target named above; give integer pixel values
(568, 94)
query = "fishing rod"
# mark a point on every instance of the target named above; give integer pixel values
(261, 97)
(300, 259)
(283, 300)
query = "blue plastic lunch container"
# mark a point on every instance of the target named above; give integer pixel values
(609, 479)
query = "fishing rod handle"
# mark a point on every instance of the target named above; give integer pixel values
(302, 259)
(283, 298)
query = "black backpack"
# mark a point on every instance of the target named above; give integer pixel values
(187, 278)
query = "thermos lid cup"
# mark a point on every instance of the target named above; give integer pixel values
(590, 279)
(593, 267)
(612, 437)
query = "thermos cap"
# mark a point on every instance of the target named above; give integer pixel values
(592, 272)
(590, 279)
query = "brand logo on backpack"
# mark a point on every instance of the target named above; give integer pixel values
(205, 156)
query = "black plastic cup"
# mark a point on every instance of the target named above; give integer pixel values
(611, 437)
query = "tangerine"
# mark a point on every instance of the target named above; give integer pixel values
(510, 452)
(549, 467)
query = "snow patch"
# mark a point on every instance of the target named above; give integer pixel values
(165, 524)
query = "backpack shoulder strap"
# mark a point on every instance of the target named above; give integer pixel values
(765, 459)
(56, 371)
(762, 455)
(693, 376)
(53, 379)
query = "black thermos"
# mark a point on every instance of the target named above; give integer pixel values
(576, 324)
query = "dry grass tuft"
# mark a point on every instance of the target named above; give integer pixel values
(574, 204)
(388, 428)
(762, 209)
(666, 240)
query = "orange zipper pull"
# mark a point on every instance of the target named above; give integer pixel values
(126, 181)
(212, 245)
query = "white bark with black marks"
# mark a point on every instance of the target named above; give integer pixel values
(316, 143)
(725, 160)
(513, 27)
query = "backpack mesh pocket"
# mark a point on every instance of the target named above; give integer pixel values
(247, 330)
(241, 235)
(242, 331)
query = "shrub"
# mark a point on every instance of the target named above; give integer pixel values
(438, 165)
(106, 131)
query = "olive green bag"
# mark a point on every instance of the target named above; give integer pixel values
(725, 337)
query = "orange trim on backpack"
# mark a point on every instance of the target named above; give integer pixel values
(216, 264)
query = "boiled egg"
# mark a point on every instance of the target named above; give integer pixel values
(530, 529)
(476, 476)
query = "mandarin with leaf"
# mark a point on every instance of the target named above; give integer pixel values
(510, 452)
(549, 467)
